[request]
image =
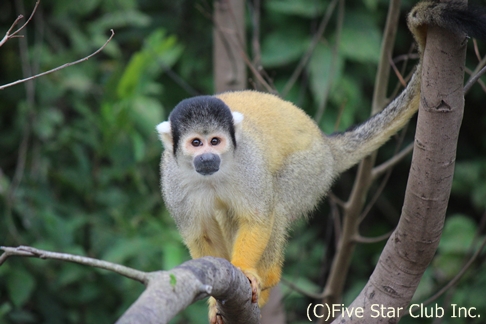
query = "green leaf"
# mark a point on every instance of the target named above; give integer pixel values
(426, 286)
(323, 70)
(458, 234)
(455, 243)
(173, 254)
(303, 8)
(146, 112)
(173, 280)
(138, 146)
(5, 308)
(280, 48)
(121, 18)
(470, 181)
(20, 285)
(126, 249)
(159, 52)
(360, 39)
(46, 122)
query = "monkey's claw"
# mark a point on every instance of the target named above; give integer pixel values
(214, 316)
(255, 286)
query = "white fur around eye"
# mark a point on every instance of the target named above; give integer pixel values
(237, 117)
(163, 128)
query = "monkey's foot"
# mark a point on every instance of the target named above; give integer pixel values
(255, 285)
(214, 316)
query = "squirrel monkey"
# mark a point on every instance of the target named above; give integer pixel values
(239, 166)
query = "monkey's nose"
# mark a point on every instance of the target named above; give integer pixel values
(207, 163)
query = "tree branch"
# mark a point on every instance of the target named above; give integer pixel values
(458, 276)
(367, 240)
(352, 209)
(27, 251)
(169, 292)
(315, 40)
(62, 66)
(334, 56)
(229, 45)
(385, 166)
(414, 242)
(9, 35)
(475, 77)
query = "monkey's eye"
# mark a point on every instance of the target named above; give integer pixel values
(215, 141)
(196, 142)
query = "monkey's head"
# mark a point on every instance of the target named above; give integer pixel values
(200, 132)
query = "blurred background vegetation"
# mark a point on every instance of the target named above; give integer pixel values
(79, 153)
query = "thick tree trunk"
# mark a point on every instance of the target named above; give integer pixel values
(411, 247)
(229, 45)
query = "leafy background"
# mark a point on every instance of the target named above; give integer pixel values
(79, 154)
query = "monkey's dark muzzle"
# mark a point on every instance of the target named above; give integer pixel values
(207, 163)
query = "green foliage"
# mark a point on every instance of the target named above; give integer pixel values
(302, 8)
(90, 181)
(87, 181)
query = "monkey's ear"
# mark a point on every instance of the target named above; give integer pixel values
(237, 121)
(237, 117)
(165, 134)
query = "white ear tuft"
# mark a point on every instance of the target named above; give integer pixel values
(163, 128)
(237, 117)
(165, 134)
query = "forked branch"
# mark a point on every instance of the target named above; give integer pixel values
(9, 34)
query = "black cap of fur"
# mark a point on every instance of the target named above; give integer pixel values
(202, 114)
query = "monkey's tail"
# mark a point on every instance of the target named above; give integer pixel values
(353, 145)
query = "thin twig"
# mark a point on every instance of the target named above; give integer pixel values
(457, 276)
(303, 62)
(367, 240)
(473, 79)
(243, 54)
(382, 168)
(27, 251)
(9, 35)
(342, 107)
(334, 57)
(255, 41)
(406, 58)
(388, 170)
(476, 49)
(302, 291)
(398, 74)
(351, 218)
(62, 66)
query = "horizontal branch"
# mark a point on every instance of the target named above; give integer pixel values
(169, 292)
(385, 166)
(27, 251)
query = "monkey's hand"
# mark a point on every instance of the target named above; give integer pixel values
(253, 278)
(214, 316)
(255, 283)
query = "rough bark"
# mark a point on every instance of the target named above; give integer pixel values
(169, 292)
(412, 246)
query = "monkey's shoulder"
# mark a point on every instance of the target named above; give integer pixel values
(274, 124)
(274, 116)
